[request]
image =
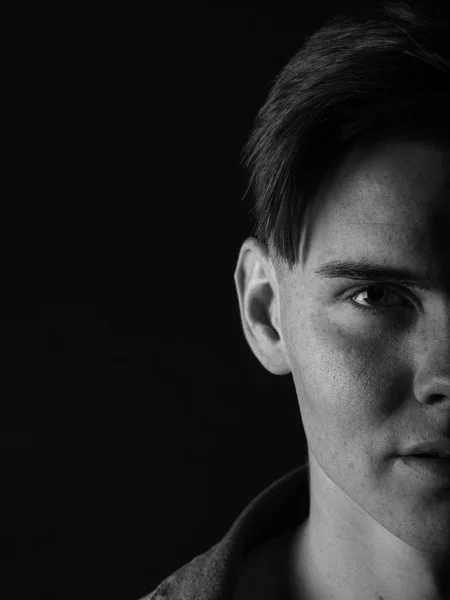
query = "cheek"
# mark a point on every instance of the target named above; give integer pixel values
(342, 381)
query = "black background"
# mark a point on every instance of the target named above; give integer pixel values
(136, 424)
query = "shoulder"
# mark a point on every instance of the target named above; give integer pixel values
(165, 590)
(262, 575)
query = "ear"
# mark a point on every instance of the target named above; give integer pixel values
(259, 303)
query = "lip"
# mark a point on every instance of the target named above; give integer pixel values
(439, 468)
(441, 445)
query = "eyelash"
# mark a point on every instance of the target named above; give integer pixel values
(375, 309)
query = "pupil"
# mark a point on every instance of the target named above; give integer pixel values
(377, 291)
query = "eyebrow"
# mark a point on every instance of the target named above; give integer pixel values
(364, 270)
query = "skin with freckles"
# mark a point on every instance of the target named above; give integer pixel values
(369, 383)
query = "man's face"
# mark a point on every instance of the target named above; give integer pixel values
(370, 384)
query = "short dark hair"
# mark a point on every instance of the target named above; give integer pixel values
(370, 73)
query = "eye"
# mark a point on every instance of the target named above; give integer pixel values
(377, 294)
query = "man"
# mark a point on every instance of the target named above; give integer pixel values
(346, 286)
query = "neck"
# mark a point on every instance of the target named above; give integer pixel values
(340, 552)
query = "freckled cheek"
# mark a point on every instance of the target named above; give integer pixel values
(359, 353)
(343, 380)
(320, 344)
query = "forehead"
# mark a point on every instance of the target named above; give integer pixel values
(392, 200)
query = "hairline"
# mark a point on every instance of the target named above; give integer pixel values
(365, 144)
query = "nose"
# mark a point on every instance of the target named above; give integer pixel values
(432, 379)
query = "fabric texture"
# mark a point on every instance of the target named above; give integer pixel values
(213, 574)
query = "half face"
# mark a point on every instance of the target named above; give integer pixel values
(370, 356)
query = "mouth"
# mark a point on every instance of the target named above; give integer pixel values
(434, 465)
(432, 455)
